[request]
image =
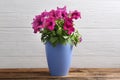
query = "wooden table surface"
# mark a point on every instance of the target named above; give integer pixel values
(74, 74)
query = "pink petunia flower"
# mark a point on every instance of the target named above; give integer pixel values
(68, 25)
(75, 15)
(44, 14)
(62, 13)
(71, 30)
(58, 14)
(38, 23)
(80, 39)
(50, 23)
(52, 14)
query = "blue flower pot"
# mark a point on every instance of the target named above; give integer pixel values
(58, 58)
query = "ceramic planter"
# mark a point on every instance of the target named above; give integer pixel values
(58, 58)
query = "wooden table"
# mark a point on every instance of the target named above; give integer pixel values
(75, 74)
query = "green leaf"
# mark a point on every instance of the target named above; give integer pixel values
(61, 40)
(53, 33)
(65, 37)
(59, 32)
(53, 39)
(70, 41)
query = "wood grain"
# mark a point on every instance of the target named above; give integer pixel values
(74, 74)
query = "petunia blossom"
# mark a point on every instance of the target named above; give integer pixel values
(38, 23)
(71, 30)
(44, 14)
(68, 25)
(50, 23)
(58, 14)
(75, 15)
(80, 39)
(62, 13)
(52, 14)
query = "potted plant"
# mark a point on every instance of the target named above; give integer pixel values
(59, 35)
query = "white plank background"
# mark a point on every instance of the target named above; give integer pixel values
(99, 26)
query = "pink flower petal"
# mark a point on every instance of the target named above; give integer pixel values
(50, 23)
(75, 15)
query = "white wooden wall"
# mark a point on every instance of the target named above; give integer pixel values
(99, 26)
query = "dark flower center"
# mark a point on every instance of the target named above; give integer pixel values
(40, 22)
(50, 23)
(63, 15)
